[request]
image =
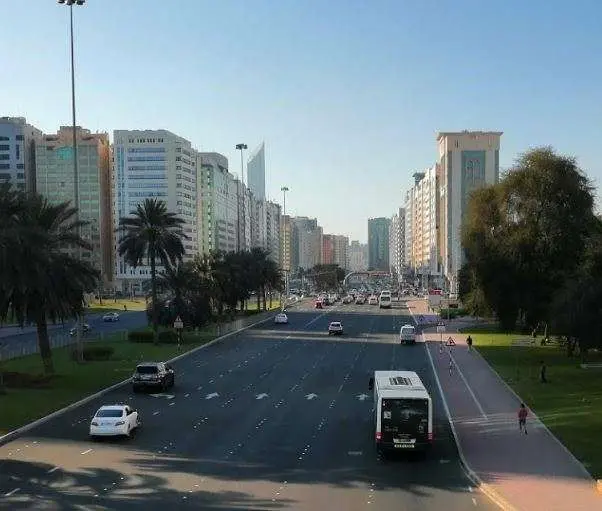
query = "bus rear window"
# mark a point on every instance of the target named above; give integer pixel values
(403, 410)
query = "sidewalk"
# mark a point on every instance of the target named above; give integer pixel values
(530, 472)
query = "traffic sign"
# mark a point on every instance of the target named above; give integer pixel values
(440, 328)
(178, 324)
(450, 341)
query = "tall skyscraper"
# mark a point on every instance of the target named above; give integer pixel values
(55, 181)
(256, 172)
(340, 251)
(357, 256)
(265, 226)
(467, 160)
(397, 242)
(17, 152)
(286, 243)
(378, 243)
(154, 164)
(217, 204)
(306, 243)
(328, 249)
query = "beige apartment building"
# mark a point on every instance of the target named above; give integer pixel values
(56, 181)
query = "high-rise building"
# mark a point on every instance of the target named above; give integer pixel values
(265, 226)
(245, 216)
(378, 243)
(55, 180)
(217, 204)
(328, 249)
(397, 242)
(256, 172)
(306, 243)
(286, 243)
(17, 152)
(357, 256)
(154, 164)
(467, 160)
(340, 251)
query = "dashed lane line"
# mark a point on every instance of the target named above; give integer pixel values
(87, 451)
(12, 492)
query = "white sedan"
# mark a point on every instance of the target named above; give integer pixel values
(335, 328)
(111, 316)
(281, 319)
(114, 420)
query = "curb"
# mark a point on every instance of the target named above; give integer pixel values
(492, 494)
(11, 435)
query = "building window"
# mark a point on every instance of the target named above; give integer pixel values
(4, 147)
(20, 137)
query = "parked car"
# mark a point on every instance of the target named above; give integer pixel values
(373, 300)
(156, 375)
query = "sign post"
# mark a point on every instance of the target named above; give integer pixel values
(440, 331)
(178, 324)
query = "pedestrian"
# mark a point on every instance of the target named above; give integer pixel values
(542, 372)
(469, 342)
(522, 418)
(125, 307)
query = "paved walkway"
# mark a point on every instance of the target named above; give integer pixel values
(530, 472)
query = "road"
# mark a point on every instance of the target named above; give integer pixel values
(12, 337)
(277, 417)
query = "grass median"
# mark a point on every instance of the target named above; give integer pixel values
(73, 381)
(112, 305)
(570, 404)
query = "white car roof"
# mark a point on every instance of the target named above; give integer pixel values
(112, 407)
(335, 322)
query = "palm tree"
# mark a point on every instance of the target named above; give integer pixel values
(273, 278)
(39, 279)
(177, 279)
(154, 234)
(258, 262)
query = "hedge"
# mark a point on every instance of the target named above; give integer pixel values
(94, 353)
(141, 336)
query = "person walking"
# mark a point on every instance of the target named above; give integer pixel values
(469, 343)
(542, 373)
(522, 418)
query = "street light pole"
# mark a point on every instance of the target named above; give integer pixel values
(70, 4)
(241, 148)
(284, 189)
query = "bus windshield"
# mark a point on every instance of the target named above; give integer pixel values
(404, 415)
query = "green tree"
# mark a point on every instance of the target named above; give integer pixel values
(154, 235)
(40, 278)
(524, 236)
(273, 280)
(326, 276)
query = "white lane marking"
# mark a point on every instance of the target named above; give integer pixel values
(340, 387)
(474, 501)
(186, 395)
(86, 451)
(261, 396)
(443, 461)
(311, 396)
(12, 492)
(354, 453)
(171, 404)
(293, 387)
(212, 395)
(156, 413)
(52, 470)
(199, 387)
(472, 394)
(362, 397)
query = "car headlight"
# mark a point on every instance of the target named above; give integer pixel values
(120, 423)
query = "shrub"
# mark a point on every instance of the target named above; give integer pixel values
(95, 353)
(141, 336)
(168, 337)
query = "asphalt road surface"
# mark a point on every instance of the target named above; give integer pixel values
(277, 417)
(12, 337)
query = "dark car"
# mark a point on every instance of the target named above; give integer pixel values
(153, 375)
(84, 330)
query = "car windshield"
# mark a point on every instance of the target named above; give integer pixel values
(110, 412)
(335, 324)
(147, 369)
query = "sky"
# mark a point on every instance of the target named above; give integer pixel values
(348, 95)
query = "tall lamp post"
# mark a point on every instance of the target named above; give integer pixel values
(284, 189)
(241, 148)
(70, 4)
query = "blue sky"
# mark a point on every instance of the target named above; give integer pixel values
(347, 94)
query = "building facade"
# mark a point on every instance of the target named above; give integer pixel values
(328, 248)
(256, 172)
(154, 164)
(286, 243)
(310, 247)
(467, 160)
(17, 152)
(217, 205)
(55, 181)
(272, 231)
(397, 242)
(378, 243)
(299, 226)
(340, 255)
(357, 256)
